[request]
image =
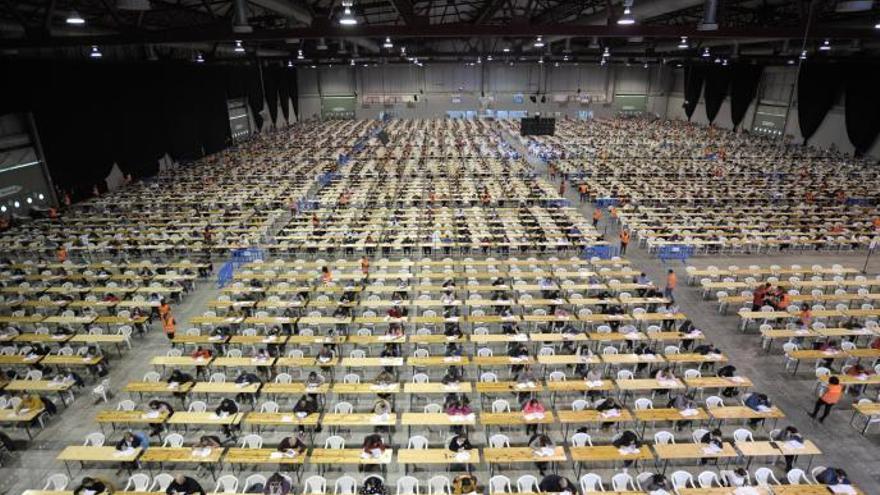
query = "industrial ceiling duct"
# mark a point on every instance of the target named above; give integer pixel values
(710, 16)
(240, 23)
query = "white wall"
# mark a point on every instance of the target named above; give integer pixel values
(436, 84)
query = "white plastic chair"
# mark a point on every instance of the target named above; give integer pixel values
(226, 484)
(161, 482)
(94, 439)
(417, 442)
(682, 479)
(591, 483)
(407, 485)
(439, 485)
(499, 441)
(764, 477)
(57, 482)
(708, 479)
(623, 482)
(315, 485)
(174, 440)
(345, 485)
(334, 442)
(252, 441)
(137, 482)
(797, 476)
(527, 483)
(499, 484)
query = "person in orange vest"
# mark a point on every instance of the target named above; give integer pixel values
(61, 253)
(582, 189)
(828, 399)
(624, 240)
(613, 212)
(597, 215)
(671, 282)
(168, 325)
(164, 308)
(365, 265)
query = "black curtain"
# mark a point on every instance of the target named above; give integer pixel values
(254, 88)
(90, 115)
(693, 85)
(744, 82)
(818, 86)
(270, 82)
(862, 106)
(284, 93)
(294, 92)
(717, 82)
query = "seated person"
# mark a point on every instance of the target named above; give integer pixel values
(294, 445)
(756, 402)
(93, 486)
(226, 408)
(184, 485)
(538, 443)
(833, 476)
(627, 439)
(553, 483)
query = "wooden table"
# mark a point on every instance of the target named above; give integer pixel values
(436, 456)
(607, 453)
(227, 388)
(83, 454)
(323, 457)
(675, 451)
(807, 490)
(720, 491)
(20, 418)
(258, 419)
(204, 418)
(519, 455)
(869, 410)
(176, 455)
(156, 388)
(743, 413)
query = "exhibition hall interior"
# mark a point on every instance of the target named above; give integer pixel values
(439, 247)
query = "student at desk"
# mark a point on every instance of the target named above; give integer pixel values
(553, 483)
(833, 476)
(130, 441)
(227, 407)
(373, 485)
(452, 329)
(325, 357)
(613, 309)
(390, 351)
(160, 407)
(29, 402)
(373, 447)
(788, 434)
(93, 486)
(805, 317)
(714, 439)
(664, 375)
(293, 444)
(533, 407)
(627, 440)
(756, 402)
(682, 402)
(304, 407)
(539, 442)
(326, 276)
(184, 485)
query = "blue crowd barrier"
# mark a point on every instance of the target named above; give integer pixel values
(224, 274)
(606, 202)
(679, 252)
(603, 252)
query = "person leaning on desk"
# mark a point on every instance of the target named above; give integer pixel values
(93, 486)
(184, 485)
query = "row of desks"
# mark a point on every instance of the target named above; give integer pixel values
(563, 386)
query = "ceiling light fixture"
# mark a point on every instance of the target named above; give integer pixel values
(238, 47)
(826, 45)
(627, 19)
(488, 58)
(347, 18)
(199, 58)
(803, 55)
(539, 42)
(706, 53)
(541, 60)
(75, 19)
(95, 53)
(299, 55)
(683, 44)
(388, 44)
(290, 63)
(506, 49)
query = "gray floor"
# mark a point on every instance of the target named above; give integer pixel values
(843, 446)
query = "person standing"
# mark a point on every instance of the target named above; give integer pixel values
(828, 399)
(582, 189)
(671, 282)
(168, 325)
(597, 215)
(624, 241)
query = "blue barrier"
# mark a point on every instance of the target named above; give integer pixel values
(246, 255)
(675, 252)
(224, 275)
(558, 203)
(603, 252)
(606, 202)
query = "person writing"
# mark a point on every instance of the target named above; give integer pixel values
(92, 486)
(184, 485)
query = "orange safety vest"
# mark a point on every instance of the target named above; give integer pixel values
(671, 280)
(365, 266)
(624, 237)
(832, 394)
(613, 212)
(164, 309)
(597, 214)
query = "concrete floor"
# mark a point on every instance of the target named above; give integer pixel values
(842, 445)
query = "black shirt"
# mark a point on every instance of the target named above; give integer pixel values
(188, 487)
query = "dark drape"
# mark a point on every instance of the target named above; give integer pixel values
(254, 87)
(862, 106)
(91, 115)
(717, 82)
(284, 93)
(292, 84)
(270, 82)
(818, 86)
(693, 85)
(744, 82)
